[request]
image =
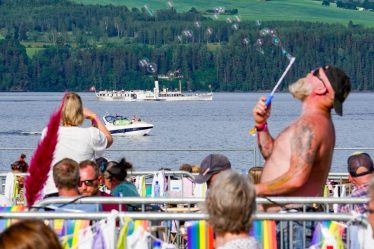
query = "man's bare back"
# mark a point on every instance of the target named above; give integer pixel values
(298, 160)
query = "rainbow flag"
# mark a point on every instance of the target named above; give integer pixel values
(264, 231)
(199, 235)
(328, 233)
(68, 231)
(4, 223)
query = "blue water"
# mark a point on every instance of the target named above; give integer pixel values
(220, 125)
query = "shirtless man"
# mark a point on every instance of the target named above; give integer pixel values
(298, 161)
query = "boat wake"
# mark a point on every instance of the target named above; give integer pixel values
(21, 133)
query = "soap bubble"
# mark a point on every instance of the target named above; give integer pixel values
(209, 31)
(259, 42)
(149, 11)
(143, 62)
(276, 41)
(245, 41)
(187, 33)
(151, 67)
(235, 26)
(264, 32)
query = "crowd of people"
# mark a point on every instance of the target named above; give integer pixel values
(297, 163)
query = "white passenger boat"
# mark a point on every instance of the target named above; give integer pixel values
(156, 95)
(122, 126)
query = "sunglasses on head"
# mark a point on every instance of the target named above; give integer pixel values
(88, 183)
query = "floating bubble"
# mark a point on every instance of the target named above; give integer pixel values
(245, 41)
(276, 41)
(259, 42)
(237, 18)
(149, 11)
(143, 62)
(151, 67)
(170, 4)
(197, 24)
(264, 32)
(228, 20)
(260, 50)
(187, 33)
(235, 26)
(209, 31)
(258, 23)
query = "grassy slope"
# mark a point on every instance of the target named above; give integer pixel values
(304, 10)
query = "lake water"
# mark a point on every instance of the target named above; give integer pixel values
(195, 128)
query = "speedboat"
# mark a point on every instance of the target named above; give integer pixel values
(122, 126)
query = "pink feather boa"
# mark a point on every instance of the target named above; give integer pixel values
(41, 160)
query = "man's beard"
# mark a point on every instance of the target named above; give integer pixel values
(299, 89)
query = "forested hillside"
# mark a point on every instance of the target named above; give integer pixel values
(59, 45)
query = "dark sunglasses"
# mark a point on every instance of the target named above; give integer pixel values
(88, 183)
(315, 72)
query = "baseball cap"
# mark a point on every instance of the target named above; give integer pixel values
(211, 165)
(341, 84)
(357, 160)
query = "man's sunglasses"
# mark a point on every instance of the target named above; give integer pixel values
(88, 183)
(315, 73)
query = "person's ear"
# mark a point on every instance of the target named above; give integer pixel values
(320, 89)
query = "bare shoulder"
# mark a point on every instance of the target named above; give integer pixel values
(316, 126)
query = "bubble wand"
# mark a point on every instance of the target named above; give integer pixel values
(270, 97)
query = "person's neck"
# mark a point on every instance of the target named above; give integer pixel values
(223, 238)
(65, 192)
(316, 106)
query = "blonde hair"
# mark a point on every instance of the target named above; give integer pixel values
(231, 202)
(72, 111)
(195, 169)
(255, 173)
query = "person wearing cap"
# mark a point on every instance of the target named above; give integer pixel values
(360, 169)
(298, 160)
(210, 168)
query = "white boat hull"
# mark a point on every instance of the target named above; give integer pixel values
(130, 130)
(156, 95)
(120, 126)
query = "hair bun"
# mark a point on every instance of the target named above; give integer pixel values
(22, 157)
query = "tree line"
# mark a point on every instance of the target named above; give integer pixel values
(102, 46)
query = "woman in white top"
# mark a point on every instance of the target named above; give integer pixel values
(230, 203)
(75, 142)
